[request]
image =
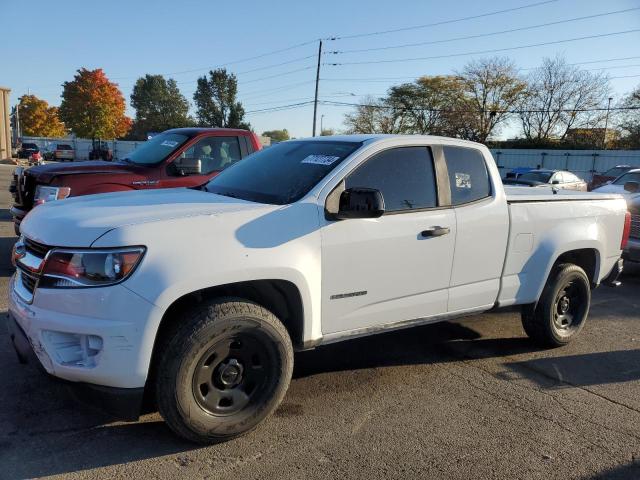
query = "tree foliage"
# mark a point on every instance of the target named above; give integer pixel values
(93, 107)
(159, 106)
(38, 119)
(556, 99)
(215, 99)
(277, 135)
(374, 115)
(629, 120)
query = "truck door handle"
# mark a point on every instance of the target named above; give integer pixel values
(435, 232)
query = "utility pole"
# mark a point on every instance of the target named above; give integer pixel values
(315, 101)
(321, 127)
(606, 124)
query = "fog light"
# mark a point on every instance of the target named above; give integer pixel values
(71, 349)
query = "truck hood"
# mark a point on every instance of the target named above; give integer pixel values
(46, 173)
(79, 221)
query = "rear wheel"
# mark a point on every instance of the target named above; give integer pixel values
(562, 309)
(224, 369)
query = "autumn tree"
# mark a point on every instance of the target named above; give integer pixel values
(216, 103)
(277, 135)
(561, 97)
(38, 119)
(159, 106)
(628, 121)
(93, 107)
(430, 105)
(373, 115)
(492, 89)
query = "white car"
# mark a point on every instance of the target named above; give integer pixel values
(627, 184)
(202, 296)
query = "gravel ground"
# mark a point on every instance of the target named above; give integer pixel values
(469, 399)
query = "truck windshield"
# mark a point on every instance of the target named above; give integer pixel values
(629, 177)
(157, 149)
(283, 173)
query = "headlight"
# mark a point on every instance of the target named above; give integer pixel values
(89, 268)
(48, 194)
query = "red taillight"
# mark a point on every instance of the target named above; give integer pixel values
(626, 231)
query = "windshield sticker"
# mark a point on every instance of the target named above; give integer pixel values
(169, 143)
(463, 180)
(320, 159)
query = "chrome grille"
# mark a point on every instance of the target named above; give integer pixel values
(38, 249)
(635, 226)
(29, 280)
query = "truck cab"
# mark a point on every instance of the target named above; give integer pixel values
(181, 157)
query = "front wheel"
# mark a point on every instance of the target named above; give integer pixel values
(226, 366)
(562, 309)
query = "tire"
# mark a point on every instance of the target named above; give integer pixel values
(562, 309)
(223, 369)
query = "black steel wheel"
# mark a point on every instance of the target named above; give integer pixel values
(562, 309)
(223, 368)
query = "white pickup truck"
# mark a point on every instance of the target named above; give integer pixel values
(201, 296)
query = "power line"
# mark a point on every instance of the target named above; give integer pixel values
(477, 52)
(253, 80)
(500, 32)
(278, 89)
(443, 22)
(283, 107)
(437, 110)
(233, 62)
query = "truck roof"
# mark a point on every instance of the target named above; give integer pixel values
(372, 138)
(191, 131)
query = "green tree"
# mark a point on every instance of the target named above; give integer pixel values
(93, 107)
(38, 119)
(629, 120)
(215, 99)
(277, 135)
(159, 106)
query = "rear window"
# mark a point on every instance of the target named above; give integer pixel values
(468, 176)
(543, 177)
(29, 145)
(63, 146)
(616, 171)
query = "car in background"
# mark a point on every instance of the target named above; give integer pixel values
(627, 184)
(517, 172)
(549, 178)
(600, 179)
(62, 152)
(27, 150)
(100, 151)
(632, 250)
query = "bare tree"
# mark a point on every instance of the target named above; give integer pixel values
(374, 115)
(557, 97)
(492, 88)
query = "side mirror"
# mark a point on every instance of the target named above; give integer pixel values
(632, 187)
(360, 203)
(187, 166)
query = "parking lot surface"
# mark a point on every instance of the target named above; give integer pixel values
(459, 400)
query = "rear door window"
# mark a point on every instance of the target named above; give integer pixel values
(404, 176)
(468, 176)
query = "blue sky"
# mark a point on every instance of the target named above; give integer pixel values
(48, 41)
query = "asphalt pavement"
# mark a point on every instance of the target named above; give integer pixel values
(457, 400)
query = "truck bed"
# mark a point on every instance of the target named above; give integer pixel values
(544, 194)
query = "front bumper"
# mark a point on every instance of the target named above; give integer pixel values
(632, 250)
(123, 403)
(102, 336)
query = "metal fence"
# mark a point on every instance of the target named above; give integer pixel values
(583, 163)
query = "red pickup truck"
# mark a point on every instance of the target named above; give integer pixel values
(181, 157)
